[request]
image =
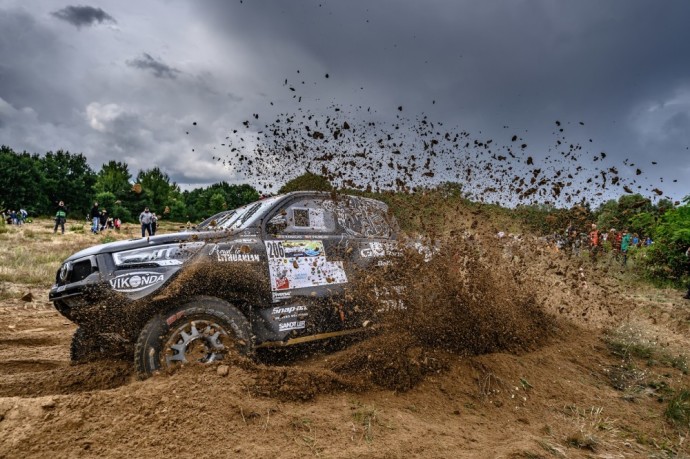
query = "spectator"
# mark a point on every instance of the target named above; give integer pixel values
(60, 217)
(95, 218)
(154, 223)
(625, 245)
(594, 243)
(22, 215)
(117, 224)
(103, 219)
(145, 220)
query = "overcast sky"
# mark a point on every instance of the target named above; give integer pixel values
(126, 80)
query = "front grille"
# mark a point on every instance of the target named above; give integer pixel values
(81, 271)
(74, 272)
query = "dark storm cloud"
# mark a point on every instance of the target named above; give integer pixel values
(619, 66)
(28, 53)
(80, 16)
(158, 68)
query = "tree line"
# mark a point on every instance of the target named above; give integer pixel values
(38, 183)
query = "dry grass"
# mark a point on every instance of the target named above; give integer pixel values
(31, 254)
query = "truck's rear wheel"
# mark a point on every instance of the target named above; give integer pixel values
(203, 330)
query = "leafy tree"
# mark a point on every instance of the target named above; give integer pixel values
(159, 190)
(115, 178)
(643, 224)
(634, 212)
(609, 215)
(239, 195)
(22, 182)
(217, 203)
(307, 182)
(666, 257)
(68, 178)
(178, 210)
(106, 200)
(204, 202)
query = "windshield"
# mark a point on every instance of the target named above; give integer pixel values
(245, 216)
(216, 220)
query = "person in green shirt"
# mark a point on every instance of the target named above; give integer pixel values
(625, 245)
(60, 217)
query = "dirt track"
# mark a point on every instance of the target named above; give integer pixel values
(556, 401)
(581, 388)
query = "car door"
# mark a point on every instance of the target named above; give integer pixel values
(305, 249)
(372, 238)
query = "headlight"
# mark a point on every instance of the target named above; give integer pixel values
(64, 271)
(161, 255)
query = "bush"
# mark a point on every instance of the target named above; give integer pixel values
(678, 409)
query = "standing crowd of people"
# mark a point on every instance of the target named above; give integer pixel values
(100, 220)
(598, 242)
(14, 217)
(620, 242)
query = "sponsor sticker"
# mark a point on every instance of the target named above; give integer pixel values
(134, 282)
(235, 254)
(277, 296)
(301, 264)
(379, 249)
(223, 255)
(288, 311)
(294, 325)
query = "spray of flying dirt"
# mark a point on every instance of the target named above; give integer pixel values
(464, 301)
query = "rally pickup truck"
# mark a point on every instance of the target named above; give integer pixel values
(276, 272)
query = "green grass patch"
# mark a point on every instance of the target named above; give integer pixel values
(678, 409)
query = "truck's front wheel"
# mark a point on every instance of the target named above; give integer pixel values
(203, 330)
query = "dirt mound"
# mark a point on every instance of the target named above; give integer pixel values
(396, 363)
(301, 384)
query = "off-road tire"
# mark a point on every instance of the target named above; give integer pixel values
(149, 348)
(85, 347)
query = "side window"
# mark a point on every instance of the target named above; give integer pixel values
(362, 217)
(303, 216)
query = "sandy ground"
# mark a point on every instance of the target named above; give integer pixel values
(568, 396)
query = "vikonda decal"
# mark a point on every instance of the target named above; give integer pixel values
(134, 282)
